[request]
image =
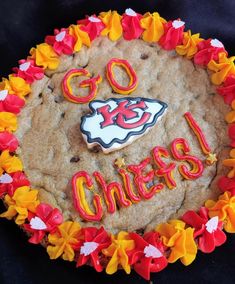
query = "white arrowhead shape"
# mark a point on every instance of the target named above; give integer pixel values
(216, 43)
(177, 24)
(5, 178)
(116, 136)
(151, 251)
(130, 12)
(24, 66)
(94, 19)
(88, 248)
(3, 94)
(60, 36)
(212, 224)
(36, 223)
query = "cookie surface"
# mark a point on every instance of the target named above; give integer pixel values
(54, 135)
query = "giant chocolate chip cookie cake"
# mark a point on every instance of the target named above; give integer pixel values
(120, 151)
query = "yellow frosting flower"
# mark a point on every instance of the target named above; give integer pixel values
(23, 200)
(8, 121)
(189, 46)
(230, 163)
(180, 240)
(15, 85)
(117, 252)
(45, 56)
(64, 240)
(153, 25)
(230, 117)
(81, 37)
(9, 164)
(112, 21)
(222, 69)
(224, 208)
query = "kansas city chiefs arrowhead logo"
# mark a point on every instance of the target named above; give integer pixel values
(115, 123)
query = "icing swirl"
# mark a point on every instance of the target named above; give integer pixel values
(189, 46)
(28, 71)
(153, 27)
(173, 34)
(45, 56)
(112, 22)
(62, 42)
(10, 103)
(91, 25)
(131, 25)
(225, 67)
(8, 141)
(227, 91)
(208, 50)
(208, 231)
(79, 36)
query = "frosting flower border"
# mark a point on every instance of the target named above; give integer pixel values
(173, 240)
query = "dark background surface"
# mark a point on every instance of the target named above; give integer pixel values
(23, 24)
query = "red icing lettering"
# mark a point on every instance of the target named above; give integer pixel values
(180, 150)
(80, 203)
(109, 191)
(165, 170)
(141, 179)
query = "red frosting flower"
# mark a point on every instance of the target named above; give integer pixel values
(208, 50)
(131, 25)
(148, 254)
(10, 103)
(8, 141)
(45, 219)
(173, 34)
(227, 184)
(91, 243)
(28, 71)
(209, 231)
(10, 182)
(231, 134)
(228, 89)
(61, 41)
(92, 25)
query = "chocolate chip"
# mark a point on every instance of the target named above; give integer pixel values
(50, 88)
(63, 114)
(40, 95)
(140, 231)
(95, 149)
(144, 56)
(58, 99)
(75, 159)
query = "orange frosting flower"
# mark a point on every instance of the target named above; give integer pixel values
(117, 251)
(64, 241)
(81, 37)
(15, 85)
(8, 121)
(230, 163)
(9, 164)
(222, 69)
(179, 240)
(113, 27)
(189, 46)
(153, 25)
(23, 200)
(224, 208)
(230, 117)
(45, 56)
